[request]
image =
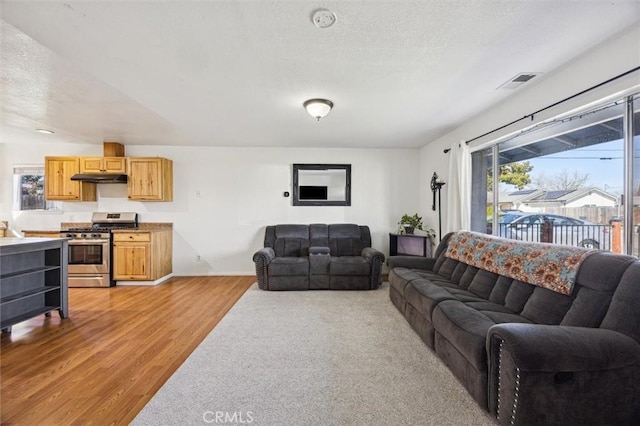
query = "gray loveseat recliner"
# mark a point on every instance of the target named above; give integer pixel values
(318, 256)
(528, 354)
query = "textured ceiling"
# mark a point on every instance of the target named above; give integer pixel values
(235, 73)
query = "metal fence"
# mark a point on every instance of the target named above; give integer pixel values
(32, 202)
(590, 236)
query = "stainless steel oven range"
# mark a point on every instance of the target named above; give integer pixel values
(90, 249)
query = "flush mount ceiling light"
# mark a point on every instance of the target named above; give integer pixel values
(318, 108)
(45, 131)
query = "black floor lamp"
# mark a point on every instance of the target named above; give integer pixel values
(436, 186)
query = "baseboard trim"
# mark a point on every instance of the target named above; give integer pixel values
(145, 283)
(216, 274)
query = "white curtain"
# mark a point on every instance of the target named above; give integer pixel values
(459, 188)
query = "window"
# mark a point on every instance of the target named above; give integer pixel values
(29, 189)
(567, 173)
(482, 191)
(635, 179)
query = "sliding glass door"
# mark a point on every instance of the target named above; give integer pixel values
(565, 181)
(635, 187)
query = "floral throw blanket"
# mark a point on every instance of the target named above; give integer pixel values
(551, 267)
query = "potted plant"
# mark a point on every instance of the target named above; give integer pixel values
(410, 223)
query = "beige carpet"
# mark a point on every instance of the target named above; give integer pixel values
(313, 358)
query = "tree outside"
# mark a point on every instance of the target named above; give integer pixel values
(561, 180)
(516, 174)
(32, 192)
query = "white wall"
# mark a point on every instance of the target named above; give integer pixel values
(593, 199)
(608, 60)
(241, 191)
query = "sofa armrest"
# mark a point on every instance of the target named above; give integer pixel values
(319, 250)
(411, 262)
(265, 255)
(375, 259)
(262, 258)
(562, 375)
(372, 255)
(553, 348)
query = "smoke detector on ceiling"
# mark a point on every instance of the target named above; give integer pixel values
(323, 18)
(519, 80)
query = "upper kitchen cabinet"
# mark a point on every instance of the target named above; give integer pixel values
(150, 179)
(103, 165)
(58, 184)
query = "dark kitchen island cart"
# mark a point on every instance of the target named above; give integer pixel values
(33, 279)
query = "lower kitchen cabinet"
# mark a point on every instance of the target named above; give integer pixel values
(33, 279)
(142, 255)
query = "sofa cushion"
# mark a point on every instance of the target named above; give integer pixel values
(597, 279)
(458, 273)
(345, 246)
(446, 267)
(344, 230)
(468, 275)
(319, 235)
(546, 307)
(399, 278)
(500, 290)
(292, 231)
(289, 266)
(623, 315)
(602, 271)
(518, 295)
(464, 295)
(482, 283)
(434, 278)
(424, 296)
(291, 247)
(349, 265)
(466, 328)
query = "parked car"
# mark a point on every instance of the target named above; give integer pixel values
(566, 230)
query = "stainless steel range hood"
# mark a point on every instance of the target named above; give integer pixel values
(100, 177)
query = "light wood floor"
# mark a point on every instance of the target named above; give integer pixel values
(119, 346)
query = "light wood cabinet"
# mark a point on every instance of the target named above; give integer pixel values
(58, 184)
(103, 165)
(142, 256)
(132, 261)
(150, 179)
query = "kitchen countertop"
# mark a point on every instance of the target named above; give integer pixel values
(14, 241)
(142, 226)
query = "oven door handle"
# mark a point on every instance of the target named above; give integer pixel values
(87, 242)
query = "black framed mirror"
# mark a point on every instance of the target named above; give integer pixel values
(322, 184)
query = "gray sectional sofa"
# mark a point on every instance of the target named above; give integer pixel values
(318, 256)
(565, 351)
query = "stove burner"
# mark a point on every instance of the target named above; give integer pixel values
(102, 228)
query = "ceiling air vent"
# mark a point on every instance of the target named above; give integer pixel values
(519, 80)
